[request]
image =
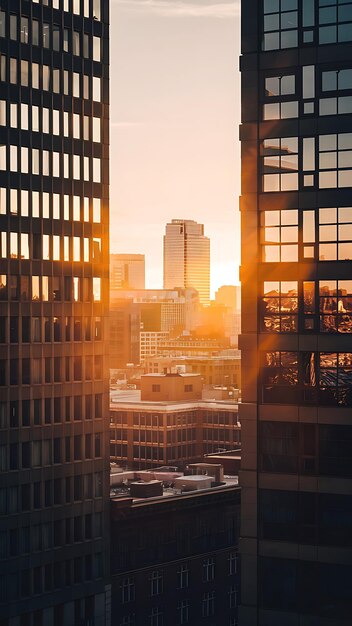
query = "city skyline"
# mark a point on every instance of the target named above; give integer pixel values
(175, 109)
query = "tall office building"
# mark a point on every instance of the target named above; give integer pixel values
(127, 271)
(54, 264)
(297, 312)
(187, 258)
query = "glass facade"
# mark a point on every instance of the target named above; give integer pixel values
(296, 320)
(187, 258)
(54, 58)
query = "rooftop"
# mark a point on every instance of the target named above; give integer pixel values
(173, 485)
(170, 375)
(131, 399)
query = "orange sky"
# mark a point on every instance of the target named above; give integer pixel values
(174, 127)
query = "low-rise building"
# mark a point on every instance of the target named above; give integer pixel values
(171, 387)
(174, 559)
(147, 434)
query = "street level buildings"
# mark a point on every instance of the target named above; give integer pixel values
(54, 267)
(187, 258)
(296, 312)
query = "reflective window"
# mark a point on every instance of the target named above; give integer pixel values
(280, 24)
(278, 90)
(323, 378)
(280, 307)
(279, 236)
(335, 234)
(335, 306)
(280, 164)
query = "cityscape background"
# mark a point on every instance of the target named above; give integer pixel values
(174, 120)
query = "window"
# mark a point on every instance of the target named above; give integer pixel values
(335, 306)
(96, 89)
(280, 164)
(307, 377)
(279, 235)
(279, 445)
(96, 9)
(208, 604)
(156, 388)
(280, 307)
(280, 376)
(279, 104)
(96, 170)
(280, 24)
(76, 43)
(233, 597)
(13, 27)
(46, 35)
(96, 210)
(183, 611)
(96, 49)
(335, 160)
(156, 583)
(96, 129)
(335, 234)
(335, 22)
(183, 576)
(340, 82)
(127, 590)
(233, 563)
(156, 617)
(208, 569)
(2, 24)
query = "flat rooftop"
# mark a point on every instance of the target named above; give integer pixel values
(121, 493)
(131, 399)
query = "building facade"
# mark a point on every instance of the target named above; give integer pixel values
(149, 343)
(296, 312)
(124, 333)
(54, 193)
(187, 258)
(184, 568)
(145, 435)
(127, 271)
(229, 296)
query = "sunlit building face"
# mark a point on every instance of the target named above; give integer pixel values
(53, 309)
(297, 307)
(187, 258)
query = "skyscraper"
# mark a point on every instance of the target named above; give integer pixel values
(54, 164)
(187, 258)
(127, 271)
(296, 312)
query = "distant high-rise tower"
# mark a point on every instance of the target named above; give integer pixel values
(54, 282)
(127, 271)
(187, 258)
(296, 467)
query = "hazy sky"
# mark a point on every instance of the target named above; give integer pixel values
(174, 127)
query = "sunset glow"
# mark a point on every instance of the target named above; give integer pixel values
(175, 110)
